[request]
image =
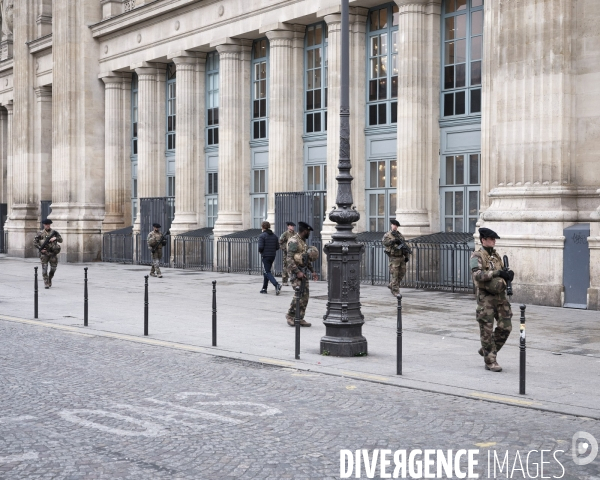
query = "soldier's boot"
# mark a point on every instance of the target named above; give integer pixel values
(304, 323)
(290, 320)
(480, 351)
(46, 282)
(158, 274)
(152, 274)
(490, 362)
(50, 276)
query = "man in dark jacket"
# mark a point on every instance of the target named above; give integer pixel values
(268, 244)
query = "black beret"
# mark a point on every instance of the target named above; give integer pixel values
(305, 226)
(487, 233)
(395, 222)
(46, 221)
(156, 225)
(292, 224)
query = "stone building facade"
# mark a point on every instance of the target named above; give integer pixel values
(464, 113)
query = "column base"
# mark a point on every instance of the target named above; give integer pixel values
(413, 224)
(343, 341)
(80, 226)
(22, 226)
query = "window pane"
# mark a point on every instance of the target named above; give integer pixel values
(395, 42)
(460, 103)
(375, 46)
(477, 22)
(263, 89)
(474, 169)
(458, 203)
(318, 34)
(449, 171)
(309, 101)
(459, 224)
(380, 226)
(309, 123)
(394, 113)
(450, 28)
(461, 5)
(382, 114)
(317, 121)
(318, 78)
(448, 77)
(372, 114)
(383, 18)
(372, 204)
(384, 45)
(135, 147)
(263, 108)
(460, 170)
(382, 89)
(472, 225)
(473, 207)
(373, 175)
(460, 51)
(394, 64)
(310, 59)
(374, 20)
(476, 73)
(394, 87)
(317, 57)
(256, 133)
(317, 98)
(263, 129)
(374, 68)
(380, 204)
(216, 139)
(310, 36)
(448, 104)
(448, 203)
(392, 205)
(393, 174)
(256, 109)
(210, 137)
(381, 174)
(317, 178)
(395, 15)
(476, 47)
(383, 66)
(460, 25)
(450, 6)
(372, 225)
(449, 58)
(460, 75)
(476, 3)
(372, 90)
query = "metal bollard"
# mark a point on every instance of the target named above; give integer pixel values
(297, 323)
(214, 314)
(35, 293)
(85, 298)
(146, 306)
(522, 351)
(399, 338)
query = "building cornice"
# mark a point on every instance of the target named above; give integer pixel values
(41, 44)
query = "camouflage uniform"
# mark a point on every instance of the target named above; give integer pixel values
(283, 240)
(485, 265)
(52, 250)
(296, 248)
(153, 241)
(397, 259)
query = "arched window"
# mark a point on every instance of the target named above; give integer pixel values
(382, 67)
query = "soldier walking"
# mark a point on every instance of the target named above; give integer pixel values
(490, 279)
(47, 242)
(299, 260)
(398, 253)
(156, 242)
(283, 240)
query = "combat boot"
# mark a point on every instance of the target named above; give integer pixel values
(493, 367)
(152, 274)
(290, 320)
(304, 323)
(46, 285)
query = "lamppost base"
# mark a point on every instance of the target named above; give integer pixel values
(343, 340)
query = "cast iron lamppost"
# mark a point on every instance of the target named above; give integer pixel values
(343, 320)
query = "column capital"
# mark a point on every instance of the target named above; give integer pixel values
(231, 45)
(9, 107)
(281, 30)
(333, 19)
(406, 3)
(43, 92)
(148, 68)
(115, 77)
(183, 57)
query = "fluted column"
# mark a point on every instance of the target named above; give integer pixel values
(234, 133)
(284, 147)
(9, 160)
(418, 107)
(593, 293)
(3, 155)
(116, 153)
(151, 137)
(43, 143)
(190, 138)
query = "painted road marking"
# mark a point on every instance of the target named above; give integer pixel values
(498, 398)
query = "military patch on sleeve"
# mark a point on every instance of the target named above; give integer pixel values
(474, 264)
(292, 246)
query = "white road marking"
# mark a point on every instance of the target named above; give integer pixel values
(19, 458)
(150, 429)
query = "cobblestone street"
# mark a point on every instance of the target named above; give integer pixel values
(75, 405)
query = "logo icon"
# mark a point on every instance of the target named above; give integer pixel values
(584, 448)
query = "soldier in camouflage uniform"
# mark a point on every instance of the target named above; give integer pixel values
(50, 251)
(283, 239)
(397, 258)
(156, 242)
(490, 279)
(299, 262)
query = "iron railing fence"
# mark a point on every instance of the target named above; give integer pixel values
(194, 250)
(117, 246)
(439, 261)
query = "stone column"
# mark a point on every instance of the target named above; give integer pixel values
(78, 130)
(116, 151)
(528, 144)
(25, 200)
(43, 143)
(418, 110)
(234, 135)
(9, 160)
(3, 155)
(151, 133)
(191, 68)
(593, 293)
(285, 175)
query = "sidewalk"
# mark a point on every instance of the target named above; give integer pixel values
(440, 338)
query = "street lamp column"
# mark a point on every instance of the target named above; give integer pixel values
(343, 319)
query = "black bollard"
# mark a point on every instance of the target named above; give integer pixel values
(214, 314)
(146, 307)
(399, 338)
(522, 349)
(297, 323)
(35, 294)
(85, 298)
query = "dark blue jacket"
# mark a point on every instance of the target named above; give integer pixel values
(268, 244)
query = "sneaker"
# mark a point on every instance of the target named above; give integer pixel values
(263, 291)
(277, 289)
(493, 367)
(304, 323)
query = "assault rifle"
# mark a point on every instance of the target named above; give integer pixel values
(402, 245)
(162, 242)
(506, 268)
(47, 241)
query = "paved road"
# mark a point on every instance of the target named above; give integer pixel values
(75, 405)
